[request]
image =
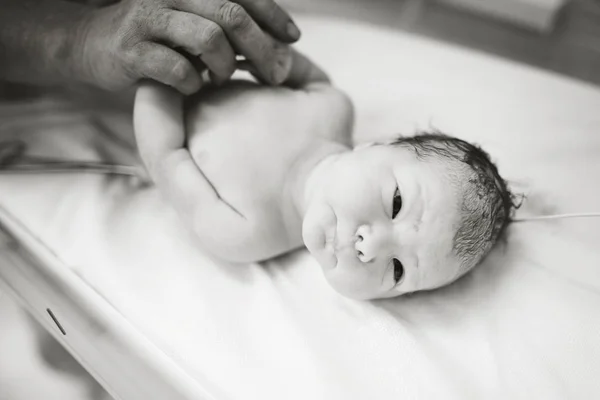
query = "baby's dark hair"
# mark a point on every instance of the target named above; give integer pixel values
(486, 204)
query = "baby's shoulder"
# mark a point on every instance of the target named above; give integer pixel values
(333, 113)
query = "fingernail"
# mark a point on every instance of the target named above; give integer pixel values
(280, 71)
(282, 62)
(192, 84)
(293, 31)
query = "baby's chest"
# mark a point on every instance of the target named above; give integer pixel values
(246, 167)
(251, 176)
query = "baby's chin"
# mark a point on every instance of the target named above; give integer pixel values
(353, 294)
(350, 286)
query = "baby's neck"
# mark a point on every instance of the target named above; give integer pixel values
(304, 175)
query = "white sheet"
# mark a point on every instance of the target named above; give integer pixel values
(523, 325)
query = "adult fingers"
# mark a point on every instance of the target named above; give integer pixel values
(167, 66)
(245, 65)
(272, 18)
(199, 37)
(303, 72)
(271, 57)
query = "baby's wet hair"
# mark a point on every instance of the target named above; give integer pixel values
(486, 204)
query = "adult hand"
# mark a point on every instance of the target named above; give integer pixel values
(172, 41)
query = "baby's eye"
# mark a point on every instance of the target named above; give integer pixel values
(397, 203)
(398, 271)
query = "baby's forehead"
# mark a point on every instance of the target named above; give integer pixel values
(444, 177)
(399, 153)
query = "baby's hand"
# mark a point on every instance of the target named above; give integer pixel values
(302, 73)
(173, 41)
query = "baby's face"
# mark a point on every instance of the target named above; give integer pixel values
(381, 222)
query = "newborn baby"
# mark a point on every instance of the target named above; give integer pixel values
(278, 172)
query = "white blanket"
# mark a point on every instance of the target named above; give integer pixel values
(525, 324)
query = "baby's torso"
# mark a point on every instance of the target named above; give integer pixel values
(246, 139)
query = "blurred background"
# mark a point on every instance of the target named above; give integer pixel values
(561, 36)
(557, 35)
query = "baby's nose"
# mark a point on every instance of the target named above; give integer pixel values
(370, 242)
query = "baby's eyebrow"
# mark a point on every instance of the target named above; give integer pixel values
(419, 221)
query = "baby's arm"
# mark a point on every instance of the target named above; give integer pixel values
(160, 134)
(336, 108)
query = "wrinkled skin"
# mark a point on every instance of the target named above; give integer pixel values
(174, 41)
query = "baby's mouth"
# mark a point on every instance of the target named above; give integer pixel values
(331, 239)
(343, 245)
(328, 257)
(335, 245)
